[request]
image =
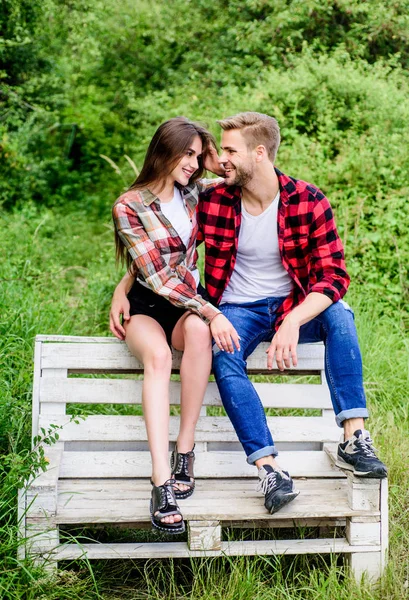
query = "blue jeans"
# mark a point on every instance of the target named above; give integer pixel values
(254, 322)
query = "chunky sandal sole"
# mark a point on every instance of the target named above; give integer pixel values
(179, 495)
(165, 526)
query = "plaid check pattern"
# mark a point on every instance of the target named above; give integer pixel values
(159, 256)
(311, 250)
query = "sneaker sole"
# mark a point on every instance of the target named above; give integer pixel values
(286, 499)
(340, 463)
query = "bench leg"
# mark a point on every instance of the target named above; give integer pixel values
(22, 510)
(384, 523)
(42, 539)
(365, 531)
(365, 563)
(363, 494)
(204, 535)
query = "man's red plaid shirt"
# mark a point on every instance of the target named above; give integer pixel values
(310, 248)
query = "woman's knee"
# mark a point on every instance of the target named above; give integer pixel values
(195, 331)
(158, 358)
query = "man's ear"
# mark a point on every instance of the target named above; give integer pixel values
(261, 153)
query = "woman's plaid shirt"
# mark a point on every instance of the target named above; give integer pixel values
(311, 250)
(159, 256)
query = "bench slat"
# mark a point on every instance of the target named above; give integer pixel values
(208, 429)
(106, 357)
(129, 391)
(181, 550)
(132, 488)
(326, 498)
(208, 464)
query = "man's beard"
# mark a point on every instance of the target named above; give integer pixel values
(243, 176)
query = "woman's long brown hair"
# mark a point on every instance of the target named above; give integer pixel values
(169, 144)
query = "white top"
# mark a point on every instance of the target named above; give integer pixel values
(258, 272)
(176, 213)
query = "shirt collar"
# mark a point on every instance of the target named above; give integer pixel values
(287, 186)
(148, 197)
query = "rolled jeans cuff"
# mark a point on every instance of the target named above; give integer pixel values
(352, 413)
(266, 451)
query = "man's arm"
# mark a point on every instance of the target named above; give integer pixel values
(329, 281)
(284, 344)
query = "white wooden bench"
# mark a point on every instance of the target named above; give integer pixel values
(99, 469)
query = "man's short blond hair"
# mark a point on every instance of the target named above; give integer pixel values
(257, 129)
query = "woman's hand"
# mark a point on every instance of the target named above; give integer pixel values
(119, 307)
(211, 162)
(224, 333)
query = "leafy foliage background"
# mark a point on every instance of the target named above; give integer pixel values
(81, 78)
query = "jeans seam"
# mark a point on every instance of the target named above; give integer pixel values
(328, 367)
(260, 404)
(263, 333)
(261, 407)
(255, 335)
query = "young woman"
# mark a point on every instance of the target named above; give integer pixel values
(156, 229)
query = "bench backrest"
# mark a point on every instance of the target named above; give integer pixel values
(100, 372)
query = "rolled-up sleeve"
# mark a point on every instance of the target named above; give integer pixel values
(328, 274)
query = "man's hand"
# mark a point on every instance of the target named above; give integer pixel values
(283, 347)
(119, 307)
(211, 162)
(224, 333)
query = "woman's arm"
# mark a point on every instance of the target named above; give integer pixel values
(120, 306)
(152, 267)
(222, 330)
(162, 279)
(211, 162)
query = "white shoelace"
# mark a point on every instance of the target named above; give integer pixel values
(266, 484)
(365, 444)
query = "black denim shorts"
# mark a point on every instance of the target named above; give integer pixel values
(144, 301)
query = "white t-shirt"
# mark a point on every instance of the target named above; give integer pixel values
(176, 213)
(258, 272)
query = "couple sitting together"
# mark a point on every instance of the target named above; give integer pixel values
(274, 271)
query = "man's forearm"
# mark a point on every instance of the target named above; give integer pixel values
(313, 305)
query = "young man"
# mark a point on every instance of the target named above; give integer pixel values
(274, 264)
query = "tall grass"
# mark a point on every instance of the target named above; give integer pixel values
(57, 276)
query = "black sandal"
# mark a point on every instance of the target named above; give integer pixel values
(163, 504)
(182, 471)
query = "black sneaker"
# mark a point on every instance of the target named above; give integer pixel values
(358, 455)
(277, 487)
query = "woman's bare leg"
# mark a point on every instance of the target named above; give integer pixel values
(192, 336)
(147, 341)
